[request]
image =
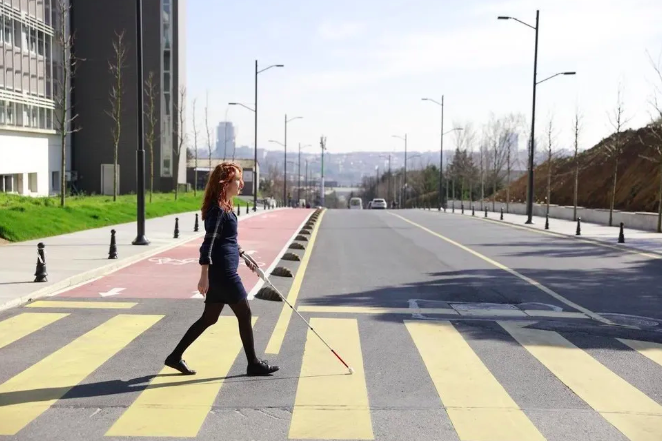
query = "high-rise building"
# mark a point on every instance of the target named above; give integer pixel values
(96, 25)
(29, 145)
(225, 140)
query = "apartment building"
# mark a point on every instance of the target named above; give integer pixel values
(29, 146)
(30, 66)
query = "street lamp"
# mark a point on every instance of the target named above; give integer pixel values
(442, 199)
(285, 161)
(405, 139)
(529, 201)
(255, 183)
(140, 153)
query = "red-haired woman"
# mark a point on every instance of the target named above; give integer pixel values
(219, 260)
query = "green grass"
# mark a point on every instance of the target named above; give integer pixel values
(25, 218)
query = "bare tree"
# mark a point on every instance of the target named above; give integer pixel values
(195, 149)
(577, 127)
(614, 148)
(497, 154)
(655, 127)
(469, 144)
(551, 137)
(180, 109)
(482, 154)
(64, 70)
(116, 67)
(459, 147)
(208, 132)
(152, 120)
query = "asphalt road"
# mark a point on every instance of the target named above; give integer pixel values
(456, 328)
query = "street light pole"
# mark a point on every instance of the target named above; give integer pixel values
(255, 183)
(285, 166)
(442, 203)
(140, 153)
(529, 202)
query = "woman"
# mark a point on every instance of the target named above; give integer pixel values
(219, 260)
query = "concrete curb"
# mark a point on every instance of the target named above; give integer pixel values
(621, 247)
(106, 269)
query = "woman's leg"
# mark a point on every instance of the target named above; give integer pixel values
(242, 311)
(209, 317)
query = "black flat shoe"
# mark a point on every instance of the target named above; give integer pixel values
(179, 365)
(260, 369)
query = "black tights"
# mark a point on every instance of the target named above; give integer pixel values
(209, 317)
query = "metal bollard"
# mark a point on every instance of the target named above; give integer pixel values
(473, 210)
(196, 227)
(546, 221)
(247, 205)
(621, 235)
(41, 273)
(501, 213)
(112, 251)
(176, 228)
(579, 227)
(485, 212)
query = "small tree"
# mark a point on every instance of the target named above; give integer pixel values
(151, 119)
(208, 132)
(550, 157)
(64, 71)
(180, 109)
(614, 148)
(116, 66)
(577, 129)
(195, 149)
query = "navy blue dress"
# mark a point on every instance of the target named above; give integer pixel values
(220, 251)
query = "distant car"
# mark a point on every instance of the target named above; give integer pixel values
(355, 204)
(379, 204)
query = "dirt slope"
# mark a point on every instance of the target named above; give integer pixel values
(637, 184)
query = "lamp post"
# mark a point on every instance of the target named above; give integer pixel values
(140, 153)
(405, 183)
(255, 183)
(285, 160)
(529, 201)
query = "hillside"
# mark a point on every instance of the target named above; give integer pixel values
(637, 184)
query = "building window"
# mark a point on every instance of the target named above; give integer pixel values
(55, 181)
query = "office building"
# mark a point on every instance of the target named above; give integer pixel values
(225, 138)
(96, 25)
(29, 146)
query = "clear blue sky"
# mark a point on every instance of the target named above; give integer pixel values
(357, 70)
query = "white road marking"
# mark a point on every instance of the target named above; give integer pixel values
(112, 292)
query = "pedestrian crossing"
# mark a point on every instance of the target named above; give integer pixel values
(327, 403)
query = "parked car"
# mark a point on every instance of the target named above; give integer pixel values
(355, 204)
(379, 203)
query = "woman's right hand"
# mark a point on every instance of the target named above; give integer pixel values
(203, 285)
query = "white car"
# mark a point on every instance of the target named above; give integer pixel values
(356, 204)
(379, 204)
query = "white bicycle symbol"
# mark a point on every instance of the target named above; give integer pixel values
(171, 261)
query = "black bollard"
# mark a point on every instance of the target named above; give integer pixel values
(546, 221)
(485, 211)
(196, 227)
(238, 211)
(112, 252)
(501, 213)
(473, 210)
(41, 273)
(579, 227)
(621, 235)
(176, 228)
(247, 205)
(462, 208)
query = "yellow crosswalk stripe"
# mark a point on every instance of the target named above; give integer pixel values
(30, 393)
(648, 349)
(17, 327)
(477, 405)
(176, 405)
(628, 409)
(329, 403)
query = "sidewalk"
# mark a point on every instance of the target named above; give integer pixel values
(79, 257)
(636, 240)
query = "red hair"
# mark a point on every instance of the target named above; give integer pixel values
(217, 184)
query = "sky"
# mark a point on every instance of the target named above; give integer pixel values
(355, 71)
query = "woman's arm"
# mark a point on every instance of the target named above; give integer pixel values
(213, 230)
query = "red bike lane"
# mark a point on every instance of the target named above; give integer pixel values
(174, 274)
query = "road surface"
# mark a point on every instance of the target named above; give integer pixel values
(457, 328)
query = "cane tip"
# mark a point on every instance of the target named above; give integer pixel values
(351, 371)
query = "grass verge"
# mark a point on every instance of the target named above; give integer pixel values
(25, 218)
